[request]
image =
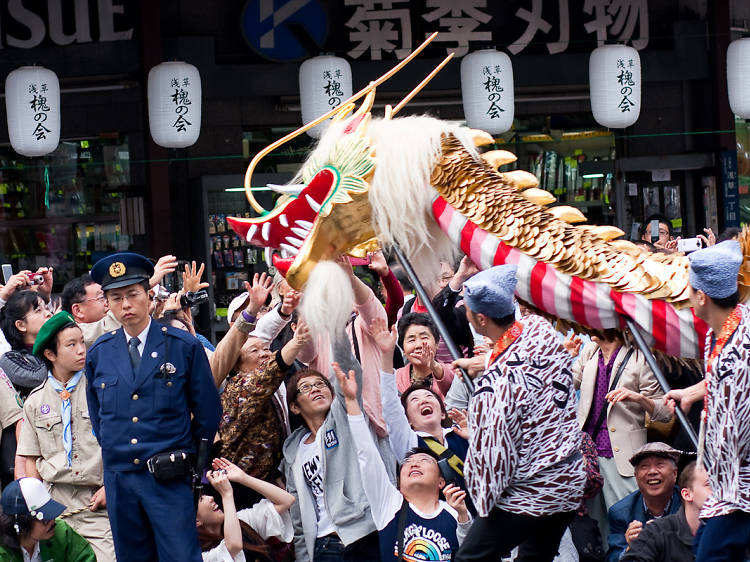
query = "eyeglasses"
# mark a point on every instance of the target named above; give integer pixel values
(419, 459)
(100, 298)
(307, 388)
(130, 295)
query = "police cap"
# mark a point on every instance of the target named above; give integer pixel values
(121, 269)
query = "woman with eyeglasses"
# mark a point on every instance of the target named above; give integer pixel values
(20, 320)
(252, 430)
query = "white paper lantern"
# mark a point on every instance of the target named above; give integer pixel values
(738, 77)
(174, 104)
(324, 83)
(32, 102)
(487, 91)
(615, 85)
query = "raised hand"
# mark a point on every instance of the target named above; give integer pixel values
(378, 263)
(573, 344)
(460, 420)
(302, 333)
(291, 301)
(258, 292)
(234, 473)
(191, 280)
(456, 498)
(347, 382)
(384, 338)
(219, 480)
(17, 282)
(165, 264)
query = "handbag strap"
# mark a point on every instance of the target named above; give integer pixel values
(400, 529)
(612, 386)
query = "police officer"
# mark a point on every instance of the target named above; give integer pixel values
(151, 396)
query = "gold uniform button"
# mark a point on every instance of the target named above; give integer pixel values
(617, 449)
(135, 419)
(103, 385)
(612, 429)
(134, 441)
(135, 397)
(136, 461)
(169, 383)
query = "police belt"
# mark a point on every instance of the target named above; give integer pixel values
(172, 465)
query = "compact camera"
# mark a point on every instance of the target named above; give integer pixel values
(161, 293)
(35, 278)
(687, 245)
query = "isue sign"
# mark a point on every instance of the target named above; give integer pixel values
(32, 103)
(174, 104)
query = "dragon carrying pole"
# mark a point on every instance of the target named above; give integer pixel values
(641, 343)
(427, 302)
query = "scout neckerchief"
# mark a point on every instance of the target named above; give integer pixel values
(510, 335)
(67, 435)
(727, 329)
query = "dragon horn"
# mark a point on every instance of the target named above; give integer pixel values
(364, 91)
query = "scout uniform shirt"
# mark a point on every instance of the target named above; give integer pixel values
(727, 450)
(524, 450)
(11, 405)
(42, 436)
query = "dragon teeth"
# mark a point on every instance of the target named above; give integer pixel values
(295, 241)
(251, 232)
(301, 232)
(284, 222)
(291, 249)
(268, 253)
(314, 205)
(304, 224)
(265, 230)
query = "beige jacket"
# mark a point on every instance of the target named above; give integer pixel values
(626, 420)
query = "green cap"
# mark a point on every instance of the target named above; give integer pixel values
(50, 328)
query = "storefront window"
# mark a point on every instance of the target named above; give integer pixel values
(63, 210)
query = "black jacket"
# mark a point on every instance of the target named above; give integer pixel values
(663, 540)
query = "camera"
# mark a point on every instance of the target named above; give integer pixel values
(191, 299)
(687, 245)
(161, 293)
(35, 278)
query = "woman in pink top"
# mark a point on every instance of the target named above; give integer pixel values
(418, 338)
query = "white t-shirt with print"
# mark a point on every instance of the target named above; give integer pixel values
(309, 455)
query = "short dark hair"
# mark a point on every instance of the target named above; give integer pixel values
(727, 302)
(9, 538)
(729, 233)
(291, 385)
(74, 291)
(645, 243)
(656, 217)
(402, 277)
(405, 396)
(686, 476)
(53, 343)
(504, 320)
(416, 319)
(18, 306)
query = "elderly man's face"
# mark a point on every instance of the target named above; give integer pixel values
(656, 476)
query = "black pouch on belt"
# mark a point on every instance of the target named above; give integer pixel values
(174, 465)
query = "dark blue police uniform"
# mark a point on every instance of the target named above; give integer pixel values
(136, 415)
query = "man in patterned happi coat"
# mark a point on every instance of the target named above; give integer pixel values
(524, 469)
(725, 430)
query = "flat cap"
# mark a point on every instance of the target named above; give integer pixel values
(490, 292)
(714, 270)
(655, 449)
(121, 269)
(50, 328)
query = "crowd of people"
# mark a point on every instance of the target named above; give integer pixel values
(127, 435)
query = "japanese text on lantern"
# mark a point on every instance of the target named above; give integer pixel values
(38, 104)
(181, 100)
(332, 87)
(626, 82)
(494, 89)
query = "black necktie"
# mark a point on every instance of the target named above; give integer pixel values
(135, 357)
